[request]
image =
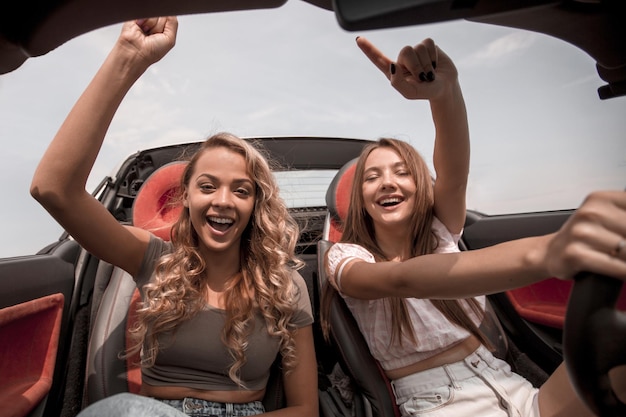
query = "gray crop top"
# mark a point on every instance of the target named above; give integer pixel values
(198, 359)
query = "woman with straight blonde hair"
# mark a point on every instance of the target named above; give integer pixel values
(417, 299)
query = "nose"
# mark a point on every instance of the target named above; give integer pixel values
(387, 181)
(223, 198)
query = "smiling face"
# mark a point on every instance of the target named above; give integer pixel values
(389, 190)
(220, 197)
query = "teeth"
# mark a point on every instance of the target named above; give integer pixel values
(221, 220)
(390, 200)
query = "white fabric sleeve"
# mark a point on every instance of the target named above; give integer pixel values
(339, 255)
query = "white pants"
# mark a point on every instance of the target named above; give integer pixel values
(479, 385)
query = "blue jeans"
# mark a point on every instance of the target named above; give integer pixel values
(131, 405)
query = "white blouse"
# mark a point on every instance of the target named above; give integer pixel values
(434, 333)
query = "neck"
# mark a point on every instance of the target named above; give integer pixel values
(221, 267)
(394, 243)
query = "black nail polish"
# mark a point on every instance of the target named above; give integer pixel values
(422, 76)
(434, 65)
(392, 68)
(357, 38)
(430, 76)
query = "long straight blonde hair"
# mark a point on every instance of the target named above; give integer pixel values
(358, 228)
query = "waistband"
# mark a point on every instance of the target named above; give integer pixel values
(469, 367)
(199, 407)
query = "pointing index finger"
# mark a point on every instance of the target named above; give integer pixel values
(375, 55)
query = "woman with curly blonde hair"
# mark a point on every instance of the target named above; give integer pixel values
(266, 249)
(222, 300)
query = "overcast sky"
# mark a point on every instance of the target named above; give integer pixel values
(541, 137)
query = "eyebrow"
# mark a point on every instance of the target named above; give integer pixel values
(398, 164)
(235, 181)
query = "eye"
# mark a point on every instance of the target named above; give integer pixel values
(206, 187)
(244, 192)
(370, 177)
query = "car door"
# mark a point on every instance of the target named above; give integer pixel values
(532, 316)
(38, 305)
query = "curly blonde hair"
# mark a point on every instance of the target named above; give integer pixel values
(264, 285)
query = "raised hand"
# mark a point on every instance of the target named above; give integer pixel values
(150, 39)
(423, 71)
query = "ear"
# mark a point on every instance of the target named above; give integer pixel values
(185, 201)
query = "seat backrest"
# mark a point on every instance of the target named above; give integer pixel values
(108, 372)
(354, 355)
(372, 385)
(338, 201)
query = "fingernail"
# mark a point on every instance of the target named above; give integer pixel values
(434, 65)
(392, 68)
(422, 76)
(357, 38)
(430, 76)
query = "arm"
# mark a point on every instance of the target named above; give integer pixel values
(426, 72)
(449, 275)
(60, 179)
(451, 157)
(301, 383)
(584, 243)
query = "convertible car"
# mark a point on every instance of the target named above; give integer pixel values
(64, 313)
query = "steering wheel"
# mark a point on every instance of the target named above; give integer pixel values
(594, 341)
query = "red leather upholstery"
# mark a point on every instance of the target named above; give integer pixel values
(338, 199)
(154, 208)
(29, 337)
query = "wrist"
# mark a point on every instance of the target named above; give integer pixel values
(449, 94)
(127, 61)
(536, 258)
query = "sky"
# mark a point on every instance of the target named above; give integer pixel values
(541, 137)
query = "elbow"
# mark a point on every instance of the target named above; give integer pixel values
(36, 190)
(47, 194)
(40, 191)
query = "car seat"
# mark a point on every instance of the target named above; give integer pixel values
(108, 372)
(371, 383)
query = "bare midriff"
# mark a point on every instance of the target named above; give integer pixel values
(456, 353)
(178, 393)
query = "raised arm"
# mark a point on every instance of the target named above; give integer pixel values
(591, 240)
(426, 72)
(60, 179)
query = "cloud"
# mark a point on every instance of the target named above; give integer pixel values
(500, 50)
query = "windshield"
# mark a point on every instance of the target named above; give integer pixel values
(541, 137)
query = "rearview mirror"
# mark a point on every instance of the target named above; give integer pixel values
(375, 14)
(596, 27)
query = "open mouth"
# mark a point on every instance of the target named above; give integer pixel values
(390, 201)
(221, 224)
